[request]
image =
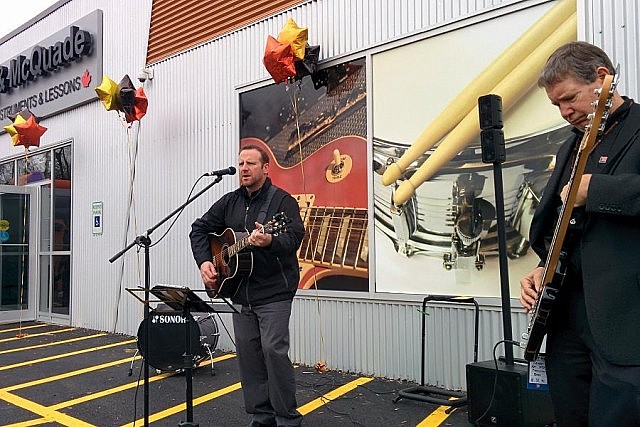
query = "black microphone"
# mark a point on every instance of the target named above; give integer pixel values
(228, 171)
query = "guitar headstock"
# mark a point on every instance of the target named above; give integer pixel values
(277, 224)
(601, 107)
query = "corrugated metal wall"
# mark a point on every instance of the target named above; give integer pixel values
(366, 334)
(615, 26)
(192, 127)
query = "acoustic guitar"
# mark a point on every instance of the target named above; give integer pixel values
(233, 264)
(556, 264)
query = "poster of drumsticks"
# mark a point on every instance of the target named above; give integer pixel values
(314, 130)
(434, 199)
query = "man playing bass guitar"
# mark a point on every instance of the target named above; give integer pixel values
(593, 338)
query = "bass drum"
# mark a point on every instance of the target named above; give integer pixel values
(167, 331)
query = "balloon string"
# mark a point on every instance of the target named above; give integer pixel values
(25, 259)
(294, 105)
(131, 147)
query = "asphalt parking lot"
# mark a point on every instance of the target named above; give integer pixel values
(54, 375)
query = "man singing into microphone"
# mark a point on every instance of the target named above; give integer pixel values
(262, 327)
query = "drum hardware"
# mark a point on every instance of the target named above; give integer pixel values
(527, 200)
(472, 217)
(405, 224)
(424, 225)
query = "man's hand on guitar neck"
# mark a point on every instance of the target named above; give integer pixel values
(529, 288)
(259, 238)
(581, 195)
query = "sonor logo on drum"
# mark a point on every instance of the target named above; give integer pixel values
(163, 318)
(166, 345)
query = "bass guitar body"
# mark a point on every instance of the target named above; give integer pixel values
(546, 301)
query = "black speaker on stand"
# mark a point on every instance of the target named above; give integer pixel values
(498, 390)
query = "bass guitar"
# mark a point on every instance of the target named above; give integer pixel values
(555, 265)
(233, 264)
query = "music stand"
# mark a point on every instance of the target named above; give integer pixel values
(185, 299)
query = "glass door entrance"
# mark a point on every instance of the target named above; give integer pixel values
(17, 257)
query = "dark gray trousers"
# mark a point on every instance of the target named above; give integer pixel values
(266, 372)
(586, 389)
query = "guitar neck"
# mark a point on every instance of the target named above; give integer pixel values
(587, 143)
(335, 237)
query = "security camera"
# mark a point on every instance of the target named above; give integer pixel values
(144, 74)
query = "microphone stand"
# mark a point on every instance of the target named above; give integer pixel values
(145, 242)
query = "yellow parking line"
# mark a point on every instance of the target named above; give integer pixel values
(183, 406)
(13, 350)
(43, 411)
(22, 328)
(437, 417)
(304, 409)
(60, 356)
(68, 374)
(36, 335)
(93, 396)
(332, 395)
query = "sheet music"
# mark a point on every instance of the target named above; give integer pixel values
(175, 296)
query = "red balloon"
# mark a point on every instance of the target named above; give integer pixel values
(140, 104)
(279, 60)
(29, 133)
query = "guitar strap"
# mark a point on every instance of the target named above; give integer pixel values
(262, 215)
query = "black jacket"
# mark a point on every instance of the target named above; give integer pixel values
(276, 273)
(610, 242)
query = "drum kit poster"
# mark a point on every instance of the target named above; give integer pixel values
(443, 239)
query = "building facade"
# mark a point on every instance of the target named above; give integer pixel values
(386, 70)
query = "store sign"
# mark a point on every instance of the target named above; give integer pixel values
(59, 73)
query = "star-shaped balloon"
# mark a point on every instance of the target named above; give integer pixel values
(294, 36)
(126, 95)
(278, 60)
(139, 106)
(11, 129)
(309, 64)
(29, 133)
(24, 113)
(107, 93)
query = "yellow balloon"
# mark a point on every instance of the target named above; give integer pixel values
(294, 36)
(107, 92)
(11, 129)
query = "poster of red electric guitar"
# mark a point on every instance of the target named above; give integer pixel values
(331, 188)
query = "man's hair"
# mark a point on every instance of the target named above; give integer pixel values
(579, 60)
(264, 156)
